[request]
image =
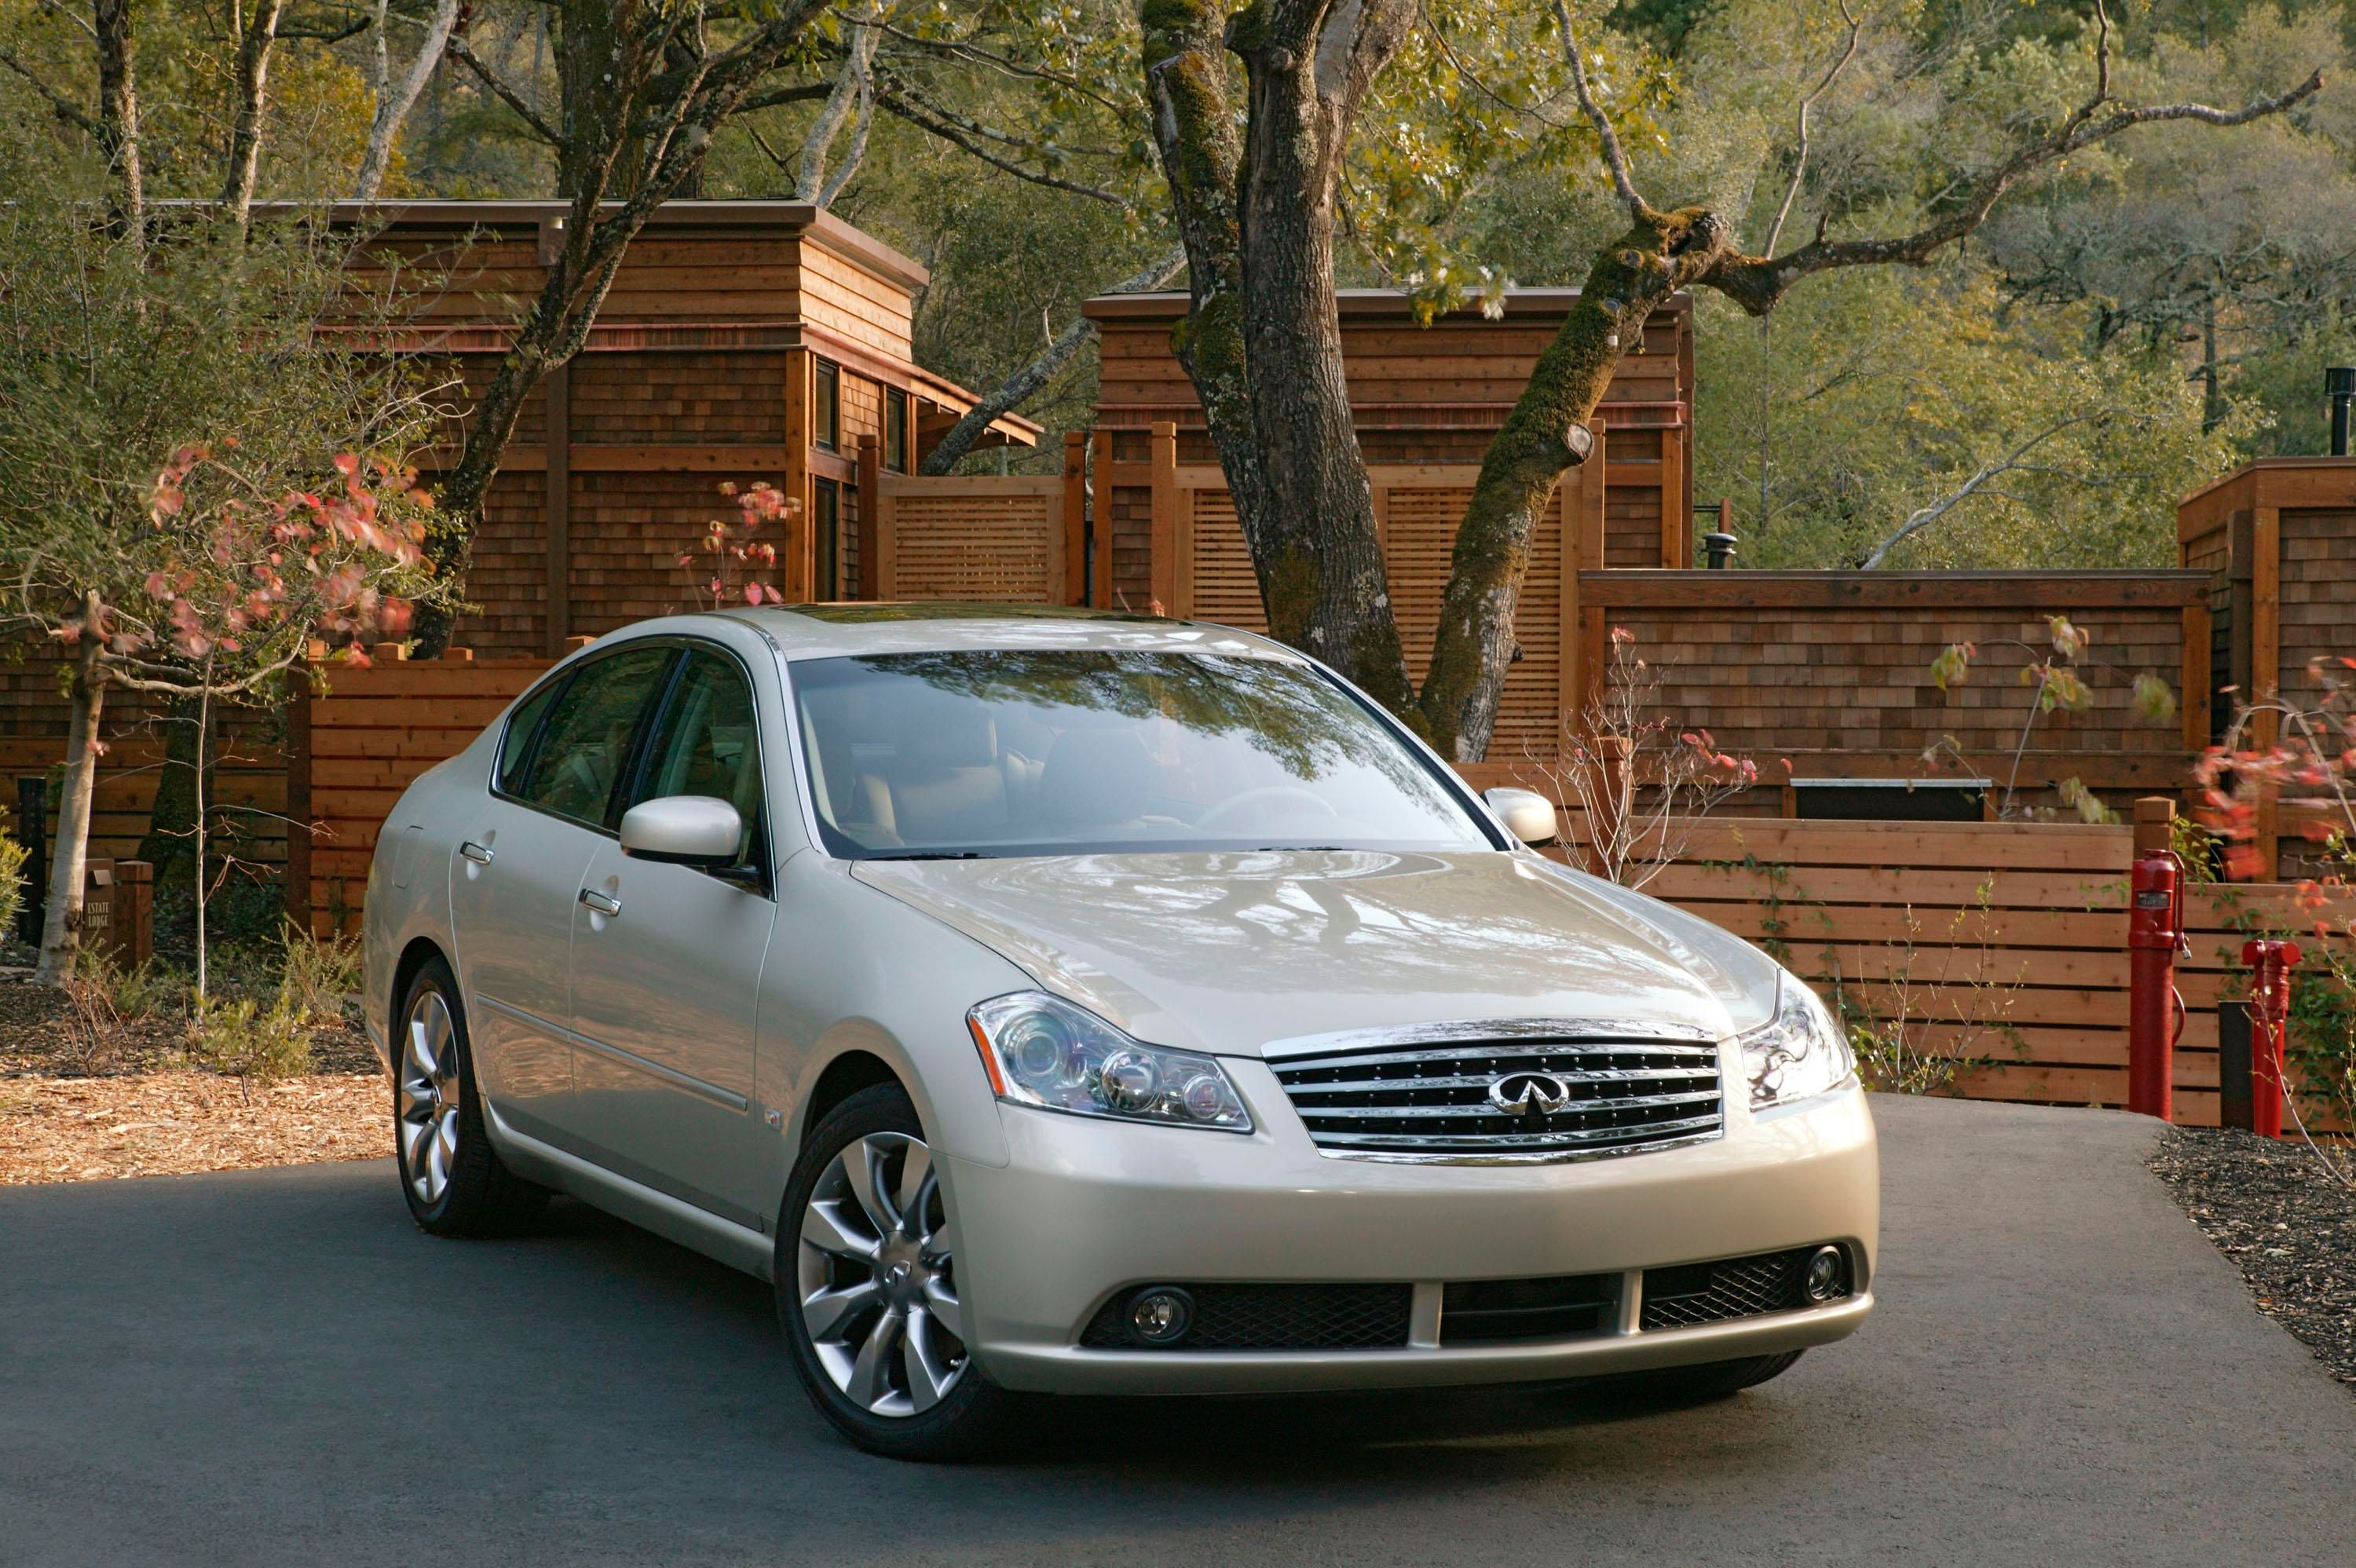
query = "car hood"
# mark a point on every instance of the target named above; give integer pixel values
(1228, 953)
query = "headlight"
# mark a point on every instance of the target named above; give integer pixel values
(1798, 1052)
(1042, 1050)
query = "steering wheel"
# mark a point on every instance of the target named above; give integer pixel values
(1251, 800)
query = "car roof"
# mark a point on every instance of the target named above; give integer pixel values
(825, 631)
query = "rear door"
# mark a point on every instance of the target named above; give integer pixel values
(520, 869)
(667, 963)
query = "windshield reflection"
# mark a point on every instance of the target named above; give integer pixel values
(984, 753)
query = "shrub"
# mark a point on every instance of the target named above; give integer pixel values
(12, 881)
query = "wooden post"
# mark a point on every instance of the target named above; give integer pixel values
(887, 541)
(1074, 588)
(1676, 505)
(798, 576)
(871, 501)
(1587, 668)
(1100, 522)
(557, 404)
(2265, 668)
(2199, 686)
(1165, 437)
(298, 799)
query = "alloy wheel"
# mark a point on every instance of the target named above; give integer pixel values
(877, 1277)
(429, 1097)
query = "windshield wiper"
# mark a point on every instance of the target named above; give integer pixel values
(929, 855)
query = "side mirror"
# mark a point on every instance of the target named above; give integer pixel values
(1527, 815)
(698, 830)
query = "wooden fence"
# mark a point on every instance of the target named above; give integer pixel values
(981, 537)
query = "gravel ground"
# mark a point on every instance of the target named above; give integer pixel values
(2275, 1210)
(130, 1106)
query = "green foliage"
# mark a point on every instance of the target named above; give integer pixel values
(243, 1039)
(263, 1024)
(13, 856)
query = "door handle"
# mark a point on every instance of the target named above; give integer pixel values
(601, 902)
(476, 852)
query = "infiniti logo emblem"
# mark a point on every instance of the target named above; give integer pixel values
(1518, 1094)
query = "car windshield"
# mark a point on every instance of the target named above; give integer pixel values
(985, 753)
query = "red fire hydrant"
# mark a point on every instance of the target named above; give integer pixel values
(2155, 1010)
(2269, 964)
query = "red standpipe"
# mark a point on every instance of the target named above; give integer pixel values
(2269, 964)
(2155, 1010)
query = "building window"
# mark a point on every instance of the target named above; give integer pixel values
(826, 527)
(896, 430)
(826, 408)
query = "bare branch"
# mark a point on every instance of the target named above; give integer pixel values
(457, 50)
(1756, 282)
(254, 45)
(1024, 384)
(976, 53)
(1614, 157)
(2010, 463)
(1800, 163)
(58, 103)
(892, 98)
(853, 93)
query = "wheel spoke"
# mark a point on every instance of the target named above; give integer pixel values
(930, 1375)
(915, 1188)
(825, 1310)
(864, 1164)
(941, 1301)
(870, 1375)
(827, 1228)
(416, 1095)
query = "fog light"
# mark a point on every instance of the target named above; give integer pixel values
(1827, 1275)
(1161, 1315)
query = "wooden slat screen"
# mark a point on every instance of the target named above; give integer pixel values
(974, 537)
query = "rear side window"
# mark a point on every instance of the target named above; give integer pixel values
(585, 742)
(515, 750)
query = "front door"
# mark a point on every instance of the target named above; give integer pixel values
(517, 875)
(667, 966)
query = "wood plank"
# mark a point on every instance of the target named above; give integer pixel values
(2038, 591)
(798, 561)
(1166, 564)
(1100, 522)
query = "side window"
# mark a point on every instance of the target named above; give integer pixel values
(706, 743)
(586, 743)
(515, 747)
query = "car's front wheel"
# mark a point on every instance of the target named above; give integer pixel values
(867, 1287)
(455, 1181)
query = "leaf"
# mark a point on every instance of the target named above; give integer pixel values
(1953, 665)
(2153, 699)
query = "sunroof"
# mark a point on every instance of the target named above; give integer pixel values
(860, 615)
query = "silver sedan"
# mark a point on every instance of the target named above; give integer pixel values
(1084, 1003)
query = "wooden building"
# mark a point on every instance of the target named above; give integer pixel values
(1426, 401)
(2277, 537)
(742, 341)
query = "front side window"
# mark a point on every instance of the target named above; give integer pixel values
(706, 743)
(975, 754)
(587, 740)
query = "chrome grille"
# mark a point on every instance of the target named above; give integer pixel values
(1431, 1102)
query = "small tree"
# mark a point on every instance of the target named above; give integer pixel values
(1639, 778)
(189, 349)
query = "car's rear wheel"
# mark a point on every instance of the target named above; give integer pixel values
(453, 1181)
(867, 1287)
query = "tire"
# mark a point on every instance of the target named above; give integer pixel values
(1712, 1379)
(453, 1181)
(866, 1288)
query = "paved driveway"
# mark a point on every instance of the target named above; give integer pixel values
(276, 1367)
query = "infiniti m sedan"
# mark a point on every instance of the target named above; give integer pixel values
(1054, 1002)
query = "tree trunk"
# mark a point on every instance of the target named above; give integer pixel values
(118, 116)
(394, 101)
(255, 41)
(61, 922)
(1315, 549)
(1546, 433)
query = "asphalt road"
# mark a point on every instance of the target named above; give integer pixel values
(276, 1367)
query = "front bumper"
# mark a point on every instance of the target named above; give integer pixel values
(1085, 1208)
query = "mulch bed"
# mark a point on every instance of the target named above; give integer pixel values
(2278, 1213)
(75, 1110)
